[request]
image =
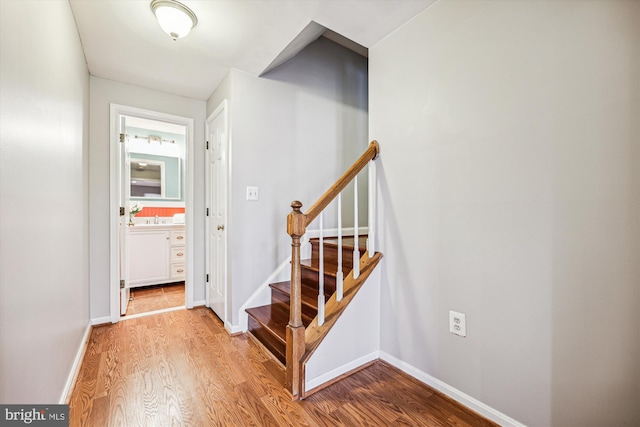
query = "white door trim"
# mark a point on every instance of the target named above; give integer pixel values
(223, 109)
(114, 203)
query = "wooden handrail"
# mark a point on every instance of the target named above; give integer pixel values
(371, 153)
(297, 223)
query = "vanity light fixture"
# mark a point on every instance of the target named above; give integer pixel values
(174, 18)
(154, 138)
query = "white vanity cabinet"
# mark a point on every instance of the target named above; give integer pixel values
(156, 254)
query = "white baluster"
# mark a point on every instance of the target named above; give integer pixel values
(356, 251)
(321, 276)
(339, 274)
(372, 208)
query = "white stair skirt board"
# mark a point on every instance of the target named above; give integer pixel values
(452, 392)
(261, 296)
(354, 339)
(77, 362)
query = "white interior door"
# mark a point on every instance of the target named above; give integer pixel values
(123, 196)
(217, 212)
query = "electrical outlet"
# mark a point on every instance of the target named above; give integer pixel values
(252, 193)
(457, 323)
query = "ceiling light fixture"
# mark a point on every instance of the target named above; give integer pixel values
(174, 18)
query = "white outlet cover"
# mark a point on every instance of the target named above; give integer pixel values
(457, 323)
(253, 193)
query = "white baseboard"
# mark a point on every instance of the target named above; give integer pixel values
(199, 303)
(334, 373)
(77, 362)
(101, 320)
(452, 392)
(233, 329)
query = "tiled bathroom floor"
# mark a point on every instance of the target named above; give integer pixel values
(150, 298)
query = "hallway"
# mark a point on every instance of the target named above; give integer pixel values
(183, 368)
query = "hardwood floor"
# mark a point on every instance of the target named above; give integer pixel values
(151, 298)
(181, 368)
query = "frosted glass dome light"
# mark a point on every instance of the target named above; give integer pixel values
(174, 18)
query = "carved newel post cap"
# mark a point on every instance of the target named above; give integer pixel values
(296, 205)
(296, 220)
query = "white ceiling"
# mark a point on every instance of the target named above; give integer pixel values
(122, 40)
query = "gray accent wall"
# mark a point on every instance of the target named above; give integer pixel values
(510, 191)
(44, 143)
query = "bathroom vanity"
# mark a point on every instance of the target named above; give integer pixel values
(156, 254)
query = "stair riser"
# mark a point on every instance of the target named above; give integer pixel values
(273, 344)
(279, 296)
(331, 254)
(310, 278)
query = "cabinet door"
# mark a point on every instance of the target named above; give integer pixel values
(148, 255)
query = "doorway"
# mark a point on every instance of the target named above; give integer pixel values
(217, 166)
(152, 212)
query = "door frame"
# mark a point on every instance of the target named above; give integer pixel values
(221, 109)
(115, 110)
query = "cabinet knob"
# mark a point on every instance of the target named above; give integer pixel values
(220, 227)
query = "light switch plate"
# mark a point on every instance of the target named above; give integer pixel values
(252, 193)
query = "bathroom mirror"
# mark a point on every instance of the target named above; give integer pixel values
(155, 177)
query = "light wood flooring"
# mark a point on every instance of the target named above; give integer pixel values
(181, 368)
(151, 298)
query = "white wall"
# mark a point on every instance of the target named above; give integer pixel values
(104, 92)
(353, 341)
(294, 131)
(510, 186)
(44, 291)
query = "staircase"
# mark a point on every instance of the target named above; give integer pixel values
(303, 310)
(268, 323)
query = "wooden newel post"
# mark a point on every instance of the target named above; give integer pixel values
(296, 227)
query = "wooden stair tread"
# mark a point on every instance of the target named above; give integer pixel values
(308, 296)
(273, 317)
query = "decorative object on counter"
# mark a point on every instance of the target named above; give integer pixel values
(133, 210)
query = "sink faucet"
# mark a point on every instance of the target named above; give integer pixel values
(156, 220)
